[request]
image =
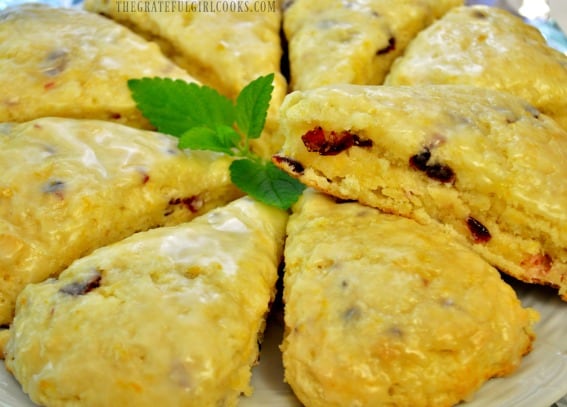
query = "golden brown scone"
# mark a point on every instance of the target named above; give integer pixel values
(355, 41)
(224, 45)
(383, 311)
(69, 186)
(171, 316)
(70, 63)
(488, 165)
(487, 47)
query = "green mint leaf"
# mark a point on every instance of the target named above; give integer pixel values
(252, 106)
(222, 139)
(203, 119)
(265, 182)
(175, 106)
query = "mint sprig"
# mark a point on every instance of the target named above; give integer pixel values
(252, 106)
(175, 106)
(203, 119)
(265, 180)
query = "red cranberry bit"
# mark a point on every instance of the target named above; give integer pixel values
(419, 161)
(295, 166)
(145, 176)
(479, 231)
(340, 201)
(82, 287)
(439, 172)
(314, 139)
(361, 142)
(332, 143)
(539, 263)
(193, 203)
(390, 47)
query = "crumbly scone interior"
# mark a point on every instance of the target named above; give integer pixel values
(502, 184)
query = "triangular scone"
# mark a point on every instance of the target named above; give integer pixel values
(486, 164)
(383, 311)
(223, 44)
(70, 186)
(171, 316)
(356, 41)
(70, 63)
(487, 47)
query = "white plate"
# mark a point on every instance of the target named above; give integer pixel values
(540, 381)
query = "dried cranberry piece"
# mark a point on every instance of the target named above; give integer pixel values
(332, 143)
(439, 172)
(295, 166)
(82, 287)
(538, 263)
(193, 203)
(361, 142)
(390, 47)
(479, 231)
(145, 176)
(343, 200)
(314, 140)
(419, 161)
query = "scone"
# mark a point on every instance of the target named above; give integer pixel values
(171, 316)
(355, 41)
(224, 45)
(70, 63)
(488, 165)
(376, 315)
(69, 186)
(487, 47)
